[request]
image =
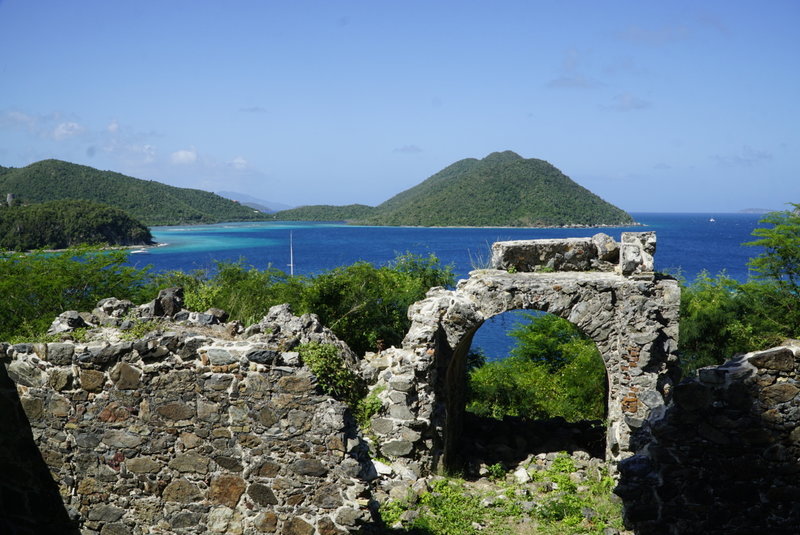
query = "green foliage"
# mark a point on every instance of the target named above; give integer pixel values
(496, 471)
(333, 375)
(721, 317)
(454, 506)
(148, 201)
(362, 304)
(140, 328)
(36, 287)
(502, 189)
(779, 263)
(68, 223)
(367, 306)
(367, 407)
(325, 212)
(553, 370)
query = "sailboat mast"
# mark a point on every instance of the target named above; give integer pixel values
(291, 255)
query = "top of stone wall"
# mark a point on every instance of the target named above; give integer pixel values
(633, 255)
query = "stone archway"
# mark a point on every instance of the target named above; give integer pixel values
(607, 289)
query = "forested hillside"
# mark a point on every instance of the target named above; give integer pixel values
(150, 202)
(326, 212)
(502, 189)
(62, 224)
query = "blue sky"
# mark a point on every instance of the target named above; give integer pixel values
(654, 106)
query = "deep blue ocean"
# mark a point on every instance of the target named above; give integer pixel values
(687, 244)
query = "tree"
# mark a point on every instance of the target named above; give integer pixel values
(553, 370)
(722, 317)
(780, 260)
(36, 287)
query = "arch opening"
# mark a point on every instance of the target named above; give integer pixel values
(521, 383)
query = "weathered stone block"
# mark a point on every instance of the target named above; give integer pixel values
(181, 491)
(262, 494)
(190, 463)
(309, 467)
(25, 373)
(226, 490)
(266, 522)
(297, 526)
(92, 380)
(175, 411)
(143, 465)
(780, 359)
(125, 376)
(60, 354)
(779, 393)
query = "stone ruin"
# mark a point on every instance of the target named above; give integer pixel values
(725, 456)
(195, 427)
(608, 289)
(201, 426)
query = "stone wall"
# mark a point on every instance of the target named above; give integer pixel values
(192, 428)
(725, 455)
(630, 313)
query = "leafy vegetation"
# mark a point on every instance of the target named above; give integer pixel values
(362, 304)
(148, 201)
(62, 224)
(553, 370)
(36, 287)
(333, 375)
(721, 317)
(337, 379)
(502, 189)
(326, 212)
(552, 504)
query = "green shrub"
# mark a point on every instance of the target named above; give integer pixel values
(364, 305)
(333, 375)
(36, 287)
(553, 370)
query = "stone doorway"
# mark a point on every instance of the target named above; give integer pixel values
(546, 394)
(607, 289)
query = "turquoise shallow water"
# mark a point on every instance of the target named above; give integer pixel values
(687, 244)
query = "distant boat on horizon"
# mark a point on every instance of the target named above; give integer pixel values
(712, 220)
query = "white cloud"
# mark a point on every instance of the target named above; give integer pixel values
(113, 127)
(238, 163)
(19, 119)
(745, 157)
(572, 75)
(184, 156)
(655, 36)
(66, 130)
(628, 102)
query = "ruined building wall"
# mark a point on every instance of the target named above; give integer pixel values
(607, 289)
(725, 456)
(181, 431)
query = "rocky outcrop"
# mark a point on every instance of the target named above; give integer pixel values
(191, 428)
(723, 457)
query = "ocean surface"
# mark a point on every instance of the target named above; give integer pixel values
(687, 244)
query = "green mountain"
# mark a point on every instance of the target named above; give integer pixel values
(62, 224)
(500, 190)
(150, 202)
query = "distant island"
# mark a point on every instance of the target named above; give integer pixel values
(501, 190)
(147, 201)
(68, 223)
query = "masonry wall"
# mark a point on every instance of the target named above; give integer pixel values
(177, 432)
(725, 456)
